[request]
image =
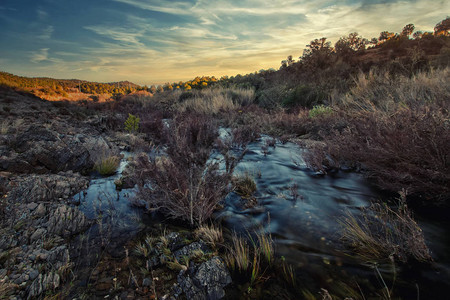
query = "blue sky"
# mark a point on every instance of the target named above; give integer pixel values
(157, 41)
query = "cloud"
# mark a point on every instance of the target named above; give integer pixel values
(39, 56)
(41, 14)
(47, 32)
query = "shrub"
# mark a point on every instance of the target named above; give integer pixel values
(304, 96)
(398, 130)
(320, 110)
(184, 184)
(132, 123)
(107, 165)
(383, 232)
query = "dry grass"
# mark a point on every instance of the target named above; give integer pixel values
(244, 185)
(107, 165)
(374, 92)
(214, 100)
(238, 255)
(211, 234)
(384, 233)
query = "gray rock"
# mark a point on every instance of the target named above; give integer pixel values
(39, 188)
(40, 210)
(205, 282)
(34, 274)
(189, 249)
(37, 234)
(66, 221)
(43, 283)
(32, 205)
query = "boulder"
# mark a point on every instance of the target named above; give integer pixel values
(207, 281)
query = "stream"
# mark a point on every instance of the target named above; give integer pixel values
(300, 208)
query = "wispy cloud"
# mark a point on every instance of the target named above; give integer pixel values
(47, 32)
(39, 56)
(41, 14)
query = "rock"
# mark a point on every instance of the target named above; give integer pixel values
(37, 234)
(33, 274)
(32, 205)
(40, 210)
(207, 281)
(58, 257)
(38, 188)
(66, 221)
(43, 283)
(189, 249)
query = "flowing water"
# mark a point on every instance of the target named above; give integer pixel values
(301, 209)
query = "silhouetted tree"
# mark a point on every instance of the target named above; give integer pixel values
(443, 27)
(347, 45)
(385, 36)
(318, 53)
(407, 30)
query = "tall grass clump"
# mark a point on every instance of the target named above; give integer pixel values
(214, 100)
(383, 232)
(107, 165)
(211, 234)
(184, 184)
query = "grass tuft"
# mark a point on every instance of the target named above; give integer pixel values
(107, 165)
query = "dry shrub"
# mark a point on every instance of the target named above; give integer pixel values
(408, 150)
(184, 185)
(398, 129)
(383, 232)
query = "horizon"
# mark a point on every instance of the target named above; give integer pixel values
(154, 42)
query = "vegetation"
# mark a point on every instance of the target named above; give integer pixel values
(184, 184)
(107, 165)
(385, 233)
(132, 123)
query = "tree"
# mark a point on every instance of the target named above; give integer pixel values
(318, 53)
(443, 27)
(353, 42)
(287, 62)
(385, 36)
(407, 30)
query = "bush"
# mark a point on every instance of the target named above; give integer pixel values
(320, 110)
(183, 184)
(107, 165)
(398, 130)
(304, 96)
(132, 123)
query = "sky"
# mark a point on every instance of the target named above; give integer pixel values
(157, 41)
